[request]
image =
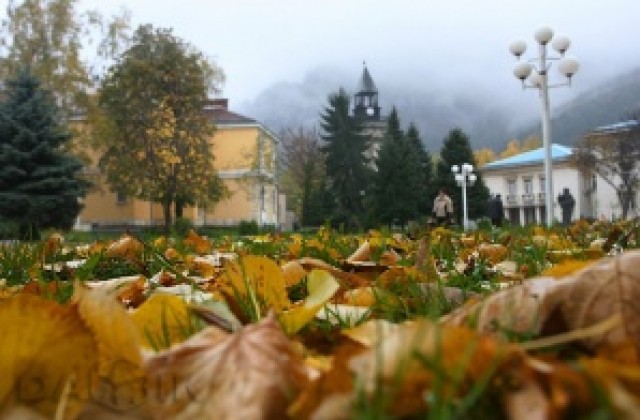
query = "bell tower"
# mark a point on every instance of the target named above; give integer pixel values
(366, 98)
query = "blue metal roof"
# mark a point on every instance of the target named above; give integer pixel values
(558, 153)
(618, 127)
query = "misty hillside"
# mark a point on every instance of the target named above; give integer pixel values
(433, 110)
(607, 103)
(488, 119)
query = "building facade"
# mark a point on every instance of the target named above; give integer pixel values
(245, 153)
(520, 181)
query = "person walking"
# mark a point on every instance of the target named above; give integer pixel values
(442, 208)
(495, 210)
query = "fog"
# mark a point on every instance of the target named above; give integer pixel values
(441, 63)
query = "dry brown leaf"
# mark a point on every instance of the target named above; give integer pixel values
(523, 397)
(361, 296)
(126, 247)
(293, 273)
(601, 291)
(196, 242)
(523, 308)
(605, 288)
(393, 368)
(363, 253)
(251, 374)
(331, 395)
(38, 337)
(493, 252)
(119, 344)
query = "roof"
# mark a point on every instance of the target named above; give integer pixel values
(532, 157)
(617, 127)
(218, 111)
(366, 82)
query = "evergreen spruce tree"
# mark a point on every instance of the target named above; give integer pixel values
(456, 150)
(398, 180)
(39, 187)
(427, 190)
(346, 164)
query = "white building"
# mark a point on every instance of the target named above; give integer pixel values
(520, 181)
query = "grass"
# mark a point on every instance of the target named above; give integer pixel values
(397, 301)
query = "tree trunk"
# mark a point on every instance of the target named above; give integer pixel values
(166, 209)
(179, 207)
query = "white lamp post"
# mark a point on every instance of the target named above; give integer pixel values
(538, 79)
(464, 176)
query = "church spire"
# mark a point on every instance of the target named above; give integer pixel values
(366, 98)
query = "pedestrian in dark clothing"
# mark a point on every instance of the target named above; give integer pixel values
(567, 203)
(500, 211)
(495, 210)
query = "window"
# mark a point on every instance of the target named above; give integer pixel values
(528, 186)
(542, 184)
(121, 198)
(529, 215)
(512, 187)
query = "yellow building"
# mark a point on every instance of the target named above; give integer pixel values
(245, 157)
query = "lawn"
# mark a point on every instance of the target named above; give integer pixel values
(496, 323)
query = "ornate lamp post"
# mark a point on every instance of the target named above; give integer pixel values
(464, 176)
(537, 75)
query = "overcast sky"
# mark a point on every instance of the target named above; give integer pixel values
(460, 44)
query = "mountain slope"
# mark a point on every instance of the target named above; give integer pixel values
(489, 119)
(611, 101)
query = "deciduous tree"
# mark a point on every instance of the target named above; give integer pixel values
(59, 43)
(615, 156)
(512, 148)
(39, 183)
(303, 172)
(157, 144)
(484, 156)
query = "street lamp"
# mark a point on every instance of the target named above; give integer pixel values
(464, 176)
(538, 79)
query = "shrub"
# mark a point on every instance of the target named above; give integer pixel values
(248, 227)
(182, 226)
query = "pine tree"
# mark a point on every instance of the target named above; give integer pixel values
(426, 187)
(39, 187)
(346, 164)
(398, 180)
(456, 150)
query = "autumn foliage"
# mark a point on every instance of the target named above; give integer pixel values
(329, 326)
